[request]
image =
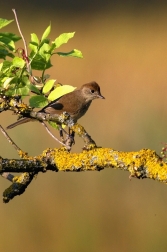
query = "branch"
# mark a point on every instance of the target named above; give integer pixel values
(142, 164)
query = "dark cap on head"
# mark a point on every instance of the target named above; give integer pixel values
(91, 90)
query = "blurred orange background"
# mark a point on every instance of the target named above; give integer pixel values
(125, 51)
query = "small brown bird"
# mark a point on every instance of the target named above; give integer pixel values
(75, 103)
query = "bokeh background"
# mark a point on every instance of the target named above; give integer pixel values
(124, 44)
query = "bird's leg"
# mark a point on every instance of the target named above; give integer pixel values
(69, 139)
(61, 130)
(61, 134)
(72, 135)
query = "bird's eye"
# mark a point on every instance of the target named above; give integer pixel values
(92, 91)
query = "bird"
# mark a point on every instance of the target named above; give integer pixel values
(75, 103)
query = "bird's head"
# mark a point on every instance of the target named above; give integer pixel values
(91, 91)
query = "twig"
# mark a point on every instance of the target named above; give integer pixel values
(67, 142)
(21, 34)
(9, 139)
(8, 176)
(18, 186)
(52, 134)
(24, 41)
(80, 131)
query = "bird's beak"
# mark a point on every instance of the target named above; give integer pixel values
(100, 96)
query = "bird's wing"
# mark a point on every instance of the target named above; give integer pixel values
(67, 102)
(53, 107)
(56, 104)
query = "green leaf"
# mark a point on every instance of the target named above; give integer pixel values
(33, 88)
(4, 22)
(48, 86)
(3, 52)
(39, 63)
(38, 101)
(44, 51)
(34, 38)
(6, 65)
(6, 82)
(54, 125)
(10, 92)
(62, 39)
(74, 53)
(23, 91)
(5, 41)
(11, 55)
(46, 33)
(18, 62)
(33, 46)
(10, 36)
(59, 91)
(25, 79)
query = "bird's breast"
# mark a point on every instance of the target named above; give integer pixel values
(81, 111)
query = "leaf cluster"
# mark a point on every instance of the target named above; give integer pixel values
(16, 67)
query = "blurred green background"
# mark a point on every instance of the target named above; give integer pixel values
(124, 44)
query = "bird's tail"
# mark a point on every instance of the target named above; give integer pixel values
(21, 121)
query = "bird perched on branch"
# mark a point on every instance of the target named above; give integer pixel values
(75, 103)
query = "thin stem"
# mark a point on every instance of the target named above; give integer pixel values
(7, 176)
(21, 34)
(43, 72)
(24, 41)
(52, 134)
(9, 139)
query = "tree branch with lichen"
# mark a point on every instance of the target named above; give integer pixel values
(142, 164)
